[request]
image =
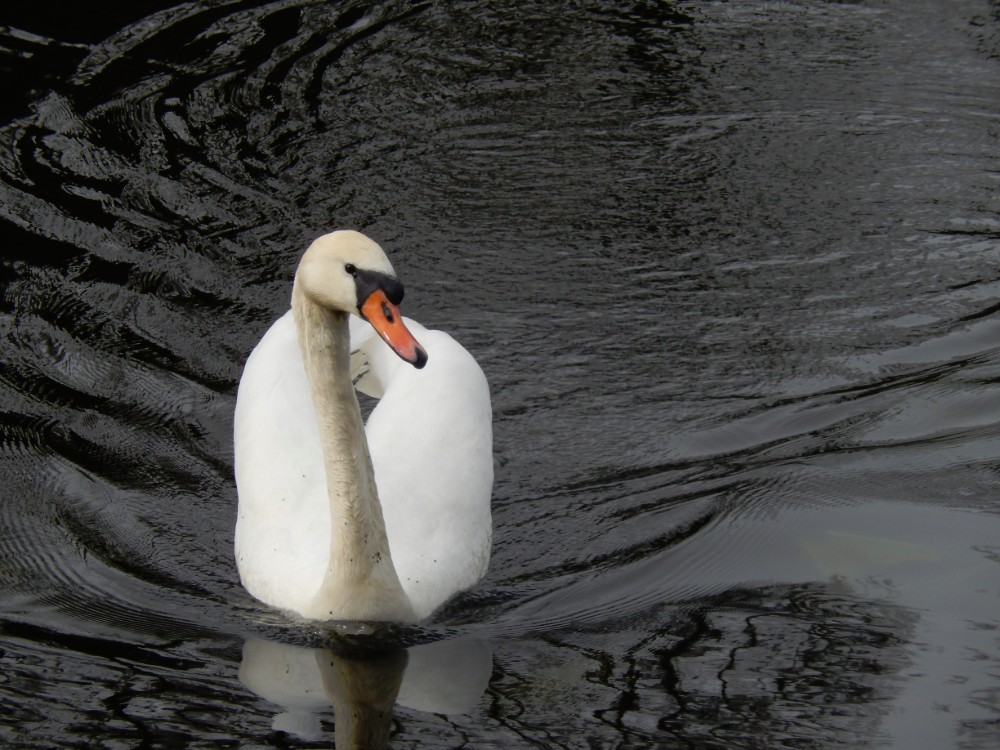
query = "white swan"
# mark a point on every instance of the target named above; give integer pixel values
(334, 526)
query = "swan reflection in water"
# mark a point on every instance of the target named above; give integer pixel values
(363, 685)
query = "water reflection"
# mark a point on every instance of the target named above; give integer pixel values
(363, 684)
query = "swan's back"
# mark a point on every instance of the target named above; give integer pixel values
(430, 439)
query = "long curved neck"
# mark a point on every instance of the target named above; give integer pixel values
(360, 582)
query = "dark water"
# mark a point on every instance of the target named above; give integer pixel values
(731, 269)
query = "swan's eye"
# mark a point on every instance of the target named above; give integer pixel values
(351, 269)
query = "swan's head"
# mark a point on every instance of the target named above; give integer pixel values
(348, 272)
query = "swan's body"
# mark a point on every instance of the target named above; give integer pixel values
(323, 530)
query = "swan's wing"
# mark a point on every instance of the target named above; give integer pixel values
(431, 442)
(282, 527)
(365, 379)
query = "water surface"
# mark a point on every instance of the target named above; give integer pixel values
(730, 269)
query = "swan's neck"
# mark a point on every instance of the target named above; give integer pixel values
(360, 582)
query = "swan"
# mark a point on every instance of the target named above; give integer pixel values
(338, 520)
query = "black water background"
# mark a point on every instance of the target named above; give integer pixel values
(730, 269)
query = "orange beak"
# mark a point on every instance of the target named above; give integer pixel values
(387, 321)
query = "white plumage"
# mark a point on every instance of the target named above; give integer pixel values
(430, 442)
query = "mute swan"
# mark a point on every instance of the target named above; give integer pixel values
(332, 525)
